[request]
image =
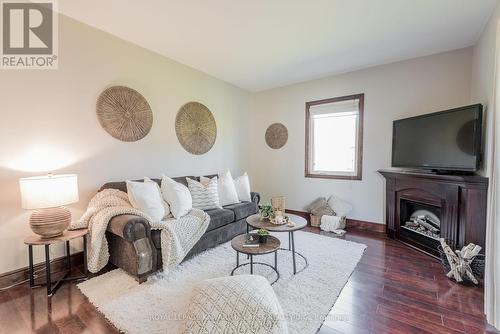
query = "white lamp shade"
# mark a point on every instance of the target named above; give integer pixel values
(48, 191)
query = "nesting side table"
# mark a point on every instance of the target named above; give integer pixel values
(35, 240)
(271, 246)
(254, 221)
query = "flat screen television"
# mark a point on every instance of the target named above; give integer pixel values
(448, 140)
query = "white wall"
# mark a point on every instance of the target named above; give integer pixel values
(48, 123)
(483, 75)
(392, 91)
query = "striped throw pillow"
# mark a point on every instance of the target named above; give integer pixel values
(204, 196)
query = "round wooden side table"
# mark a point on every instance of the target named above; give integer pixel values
(271, 246)
(36, 240)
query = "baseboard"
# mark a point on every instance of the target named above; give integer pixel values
(364, 225)
(350, 223)
(302, 214)
(22, 274)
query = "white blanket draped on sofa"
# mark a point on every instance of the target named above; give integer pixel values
(178, 236)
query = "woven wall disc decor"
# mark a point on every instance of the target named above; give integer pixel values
(276, 135)
(124, 113)
(195, 128)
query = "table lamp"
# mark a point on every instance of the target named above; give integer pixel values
(47, 195)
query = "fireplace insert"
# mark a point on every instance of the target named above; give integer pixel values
(420, 225)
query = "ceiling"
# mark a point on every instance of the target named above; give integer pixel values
(262, 44)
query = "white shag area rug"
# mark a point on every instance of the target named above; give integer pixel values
(158, 305)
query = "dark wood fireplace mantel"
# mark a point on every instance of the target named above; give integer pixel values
(461, 200)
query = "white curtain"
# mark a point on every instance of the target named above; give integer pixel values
(492, 274)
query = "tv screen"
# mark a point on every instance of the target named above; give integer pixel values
(447, 140)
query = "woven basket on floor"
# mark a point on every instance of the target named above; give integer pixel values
(315, 220)
(477, 265)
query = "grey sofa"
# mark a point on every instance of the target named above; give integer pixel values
(135, 248)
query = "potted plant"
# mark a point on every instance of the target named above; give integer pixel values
(266, 212)
(263, 234)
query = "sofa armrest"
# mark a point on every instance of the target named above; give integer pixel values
(255, 197)
(130, 227)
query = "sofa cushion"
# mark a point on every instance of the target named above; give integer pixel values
(243, 209)
(219, 217)
(205, 196)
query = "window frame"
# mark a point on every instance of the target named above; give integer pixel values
(359, 151)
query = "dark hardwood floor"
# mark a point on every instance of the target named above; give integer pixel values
(394, 289)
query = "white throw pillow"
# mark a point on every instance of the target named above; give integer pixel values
(205, 180)
(177, 196)
(146, 197)
(226, 189)
(204, 196)
(242, 184)
(165, 204)
(341, 207)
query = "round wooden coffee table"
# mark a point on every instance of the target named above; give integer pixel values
(299, 223)
(272, 245)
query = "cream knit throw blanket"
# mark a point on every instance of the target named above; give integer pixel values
(178, 236)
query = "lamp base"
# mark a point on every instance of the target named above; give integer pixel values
(50, 223)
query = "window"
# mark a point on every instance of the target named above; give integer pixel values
(334, 138)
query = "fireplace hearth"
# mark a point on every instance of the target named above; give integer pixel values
(423, 207)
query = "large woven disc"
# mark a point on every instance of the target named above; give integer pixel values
(195, 128)
(124, 113)
(276, 135)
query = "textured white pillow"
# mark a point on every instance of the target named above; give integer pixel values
(165, 204)
(177, 196)
(204, 196)
(146, 197)
(227, 190)
(341, 207)
(244, 304)
(242, 184)
(205, 180)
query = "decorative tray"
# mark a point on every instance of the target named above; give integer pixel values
(283, 222)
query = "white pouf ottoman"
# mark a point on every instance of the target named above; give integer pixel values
(235, 304)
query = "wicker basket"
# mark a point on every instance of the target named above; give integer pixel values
(477, 265)
(315, 220)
